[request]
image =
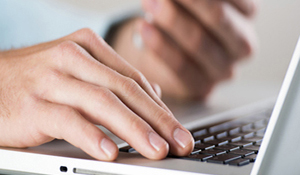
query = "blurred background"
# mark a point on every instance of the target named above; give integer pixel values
(278, 29)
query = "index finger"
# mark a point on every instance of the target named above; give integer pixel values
(97, 47)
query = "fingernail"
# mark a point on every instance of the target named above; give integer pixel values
(182, 137)
(108, 147)
(152, 5)
(156, 141)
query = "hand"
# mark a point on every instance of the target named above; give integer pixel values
(190, 45)
(60, 89)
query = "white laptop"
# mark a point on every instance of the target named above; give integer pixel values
(248, 140)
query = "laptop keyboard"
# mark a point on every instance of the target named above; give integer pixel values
(235, 142)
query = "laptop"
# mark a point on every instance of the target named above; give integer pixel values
(256, 139)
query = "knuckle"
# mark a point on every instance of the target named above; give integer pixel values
(64, 50)
(69, 50)
(135, 125)
(129, 86)
(139, 77)
(89, 35)
(165, 118)
(87, 32)
(66, 46)
(104, 95)
(138, 126)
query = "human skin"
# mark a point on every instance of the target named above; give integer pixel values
(189, 46)
(61, 89)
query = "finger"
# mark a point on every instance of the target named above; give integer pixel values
(80, 64)
(63, 122)
(162, 121)
(97, 47)
(179, 63)
(100, 106)
(190, 36)
(157, 89)
(226, 24)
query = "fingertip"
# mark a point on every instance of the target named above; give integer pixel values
(160, 146)
(109, 148)
(184, 142)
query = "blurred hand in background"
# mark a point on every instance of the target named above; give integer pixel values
(188, 46)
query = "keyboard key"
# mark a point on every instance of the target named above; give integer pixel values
(247, 127)
(235, 131)
(203, 146)
(241, 143)
(205, 138)
(260, 132)
(245, 135)
(197, 157)
(254, 139)
(242, 152)
(220, 127)
(221, 135)
(198, 141)
(227, 147)
(213, 152)
(233, 138)
(128, 149)
(196, 151)
(218, 142)
(224, 158)
(260, 123)
(252, 148)
(252, 157)
(199, 133)
(239, 162)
